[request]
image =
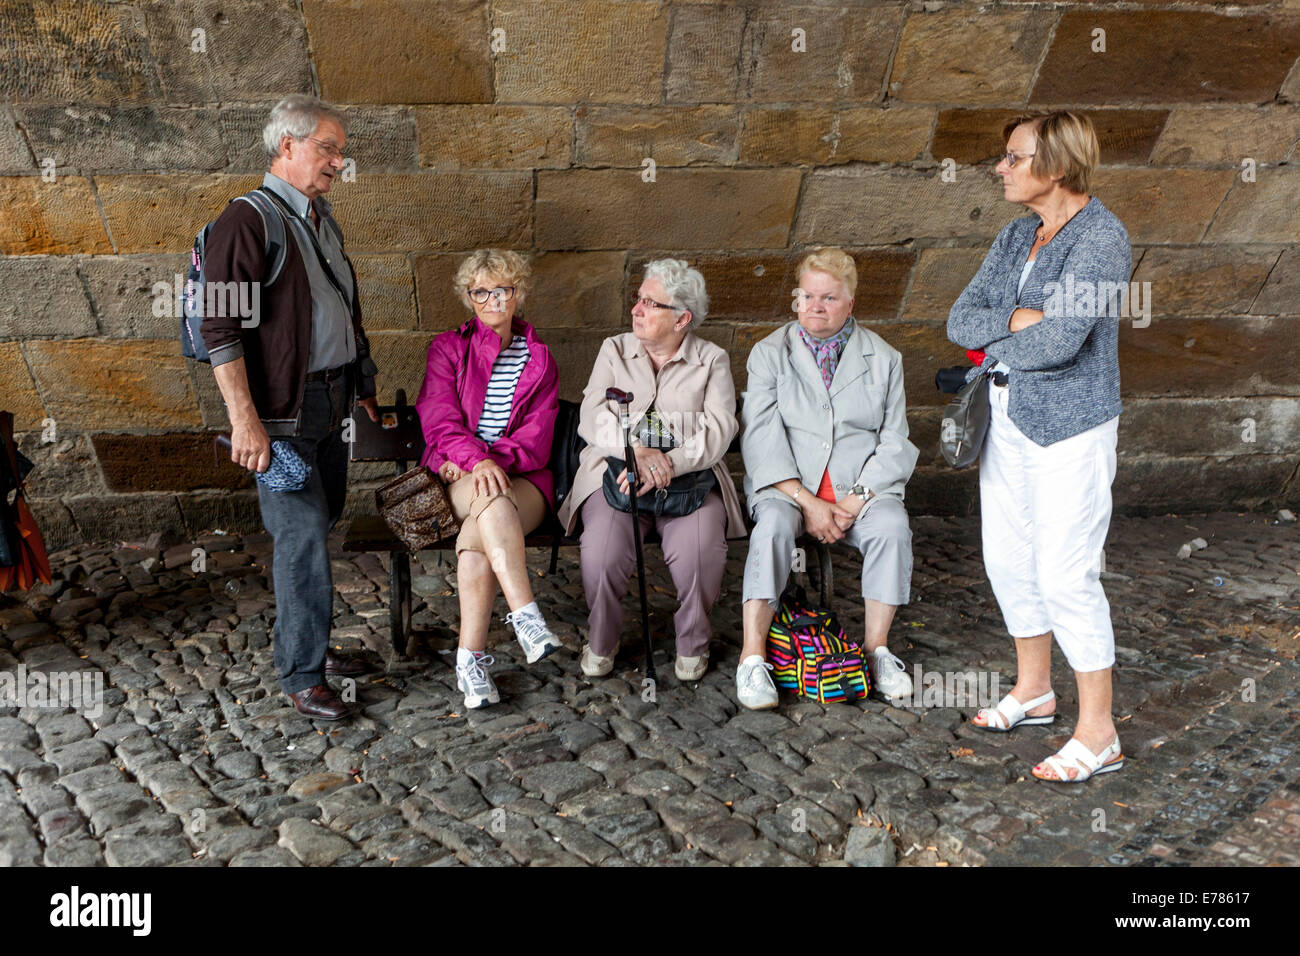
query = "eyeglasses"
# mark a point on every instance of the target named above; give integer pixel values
(648, 303)
(329, 149)
(502, 293)
(1012, 158)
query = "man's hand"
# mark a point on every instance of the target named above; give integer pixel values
(250, 447)
(371, 405)
(1022, 319)
(490, 478)
(450, 471)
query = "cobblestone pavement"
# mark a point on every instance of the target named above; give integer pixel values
(197, 759)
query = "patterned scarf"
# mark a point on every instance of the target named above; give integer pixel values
(827, 352)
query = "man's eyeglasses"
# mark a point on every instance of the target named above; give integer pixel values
(500, 293)
(1012, 158)
(329, 149)
(648, 303)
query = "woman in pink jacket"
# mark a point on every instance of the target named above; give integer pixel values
(488, 407)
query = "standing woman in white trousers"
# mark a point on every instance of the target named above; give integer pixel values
(1044, 308)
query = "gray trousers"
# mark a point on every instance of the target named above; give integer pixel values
(881, 534)
(299, 523)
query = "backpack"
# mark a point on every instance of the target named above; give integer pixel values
(811, 655)
(195, 291)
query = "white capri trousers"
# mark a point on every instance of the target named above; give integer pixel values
(881, 534)
(1044, 517)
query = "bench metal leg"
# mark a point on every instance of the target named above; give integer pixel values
(555, 555)
(399, 599)
(824, 574)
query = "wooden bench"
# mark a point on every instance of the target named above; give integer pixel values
(398, 437)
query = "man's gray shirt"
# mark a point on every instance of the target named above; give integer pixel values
(332, 340)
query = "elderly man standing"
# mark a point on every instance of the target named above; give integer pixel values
(291, 374)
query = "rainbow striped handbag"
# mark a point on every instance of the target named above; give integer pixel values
(811, 655)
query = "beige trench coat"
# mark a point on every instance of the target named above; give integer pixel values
(693, 392)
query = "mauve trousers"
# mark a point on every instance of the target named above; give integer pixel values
(695, 548)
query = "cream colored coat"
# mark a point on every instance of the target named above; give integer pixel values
(693, 392)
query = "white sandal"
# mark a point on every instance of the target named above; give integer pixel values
(1014, 715)
(1087, 763)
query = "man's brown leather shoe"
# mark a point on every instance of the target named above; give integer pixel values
(319, 702)
(344, 666)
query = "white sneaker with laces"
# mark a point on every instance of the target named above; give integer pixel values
(534, 636)
(593, 665)
(753, 685)
(476, 683)
(889, 675)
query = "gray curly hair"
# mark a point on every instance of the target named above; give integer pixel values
(296, 115)
(684, 285)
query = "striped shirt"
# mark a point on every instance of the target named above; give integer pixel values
(506, 370)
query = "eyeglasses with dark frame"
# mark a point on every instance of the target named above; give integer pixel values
(502, 293)
(648, 303)
(329, 149)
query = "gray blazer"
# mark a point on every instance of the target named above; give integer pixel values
(1065, 369)
(794, 429)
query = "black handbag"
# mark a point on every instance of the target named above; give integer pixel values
(965, 423)
(684, 494)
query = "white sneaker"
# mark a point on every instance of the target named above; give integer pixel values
(534, 636)
(593, 665)
(691, 668)
(753, 685)
(476, 683)
(889, 674)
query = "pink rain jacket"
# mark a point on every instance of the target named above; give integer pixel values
(451, 402)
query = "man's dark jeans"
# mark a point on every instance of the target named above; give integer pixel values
(299, 523)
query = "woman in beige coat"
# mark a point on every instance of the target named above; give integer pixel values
(684, 417)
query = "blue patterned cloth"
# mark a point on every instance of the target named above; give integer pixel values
(287, 471)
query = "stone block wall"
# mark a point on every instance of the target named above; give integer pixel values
(772, 127)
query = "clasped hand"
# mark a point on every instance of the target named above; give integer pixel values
(655, 469)
(826, 521)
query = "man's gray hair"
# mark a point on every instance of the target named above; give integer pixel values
(296, 115)
(684, 286)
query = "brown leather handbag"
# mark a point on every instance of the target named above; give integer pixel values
(416, 508)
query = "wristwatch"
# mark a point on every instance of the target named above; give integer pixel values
(861, 492)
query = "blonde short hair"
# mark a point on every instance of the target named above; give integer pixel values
(510, 267)
(834, 262)
(1067, 147)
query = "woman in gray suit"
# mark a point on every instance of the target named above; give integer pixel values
(825, 448)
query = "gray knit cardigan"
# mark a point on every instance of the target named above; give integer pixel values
(1065, 369)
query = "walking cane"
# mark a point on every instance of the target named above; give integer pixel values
(624, 399)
